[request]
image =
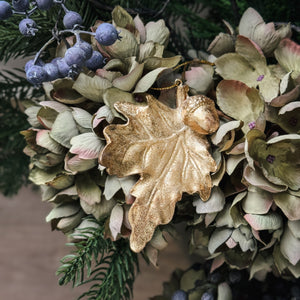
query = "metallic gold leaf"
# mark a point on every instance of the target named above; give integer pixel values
(170, 157)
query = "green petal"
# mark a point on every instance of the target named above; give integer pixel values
(252, 53)
(224, 291)
(285, 169)
(64, 128)
(63, 210)
(147, 81)
(63, 92)
(75, 164)
(92, 88)
(222, 43)
(157, 32)
(116, 220)
(215, 203)
(114, 95)
(82, 117)
(126, 83)
(239, 101)
(126, 47)
(98, 210)
(122, 18)
(87, 189)
(225, 128)
(289, 204)
(153, 63)
(257, 201)
(232, 66)
(232, 162)
(219, 237)
(290, 246)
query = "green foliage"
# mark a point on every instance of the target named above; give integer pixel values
(13, 162)
(109, 266)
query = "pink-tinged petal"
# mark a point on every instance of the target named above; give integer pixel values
(289, 107)
(256, 178)
(75, 164)
(86, 145)
(286, 98)
(200, 79)
(288, 56)
(109, 75)
(116, 220)
(217, 263)
(268, 38)
(252, 53)
(270, 221)
(253, 26)
(250, 19)
(257, 201)
(44, 140)
(239, 101)
(231, 243)
(141, 28)
(58, 107)
(222, 43)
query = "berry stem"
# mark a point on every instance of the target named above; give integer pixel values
(42, 49)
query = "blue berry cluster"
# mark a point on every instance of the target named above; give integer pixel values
(76, 57)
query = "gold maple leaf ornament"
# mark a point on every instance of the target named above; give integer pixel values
(169, 150)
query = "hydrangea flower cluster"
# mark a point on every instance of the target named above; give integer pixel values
(251, 220)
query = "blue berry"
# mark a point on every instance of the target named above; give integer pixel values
(86, 47)
(52, 71)
(180, 295)
(95, 62)
(36, 75)
(28, 27)
(75, 56)
(20, 5)
(207, 296)
(63, 67)
(235, 276)
(106, 34)
(44, 4)
(5, 10)
(72, 18)
(29, 64)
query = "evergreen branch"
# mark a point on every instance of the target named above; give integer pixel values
(114, 265)
(13, 162)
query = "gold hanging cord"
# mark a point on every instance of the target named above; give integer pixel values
(185, 64)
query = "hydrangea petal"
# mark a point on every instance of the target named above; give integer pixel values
(215, 203)
(64, 128)
(290, 246)
(270, 221)
(92, 88)
(239, 101)
(289, 204)
(86, 145)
